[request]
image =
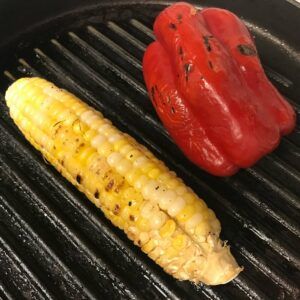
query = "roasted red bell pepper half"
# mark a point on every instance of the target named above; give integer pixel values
(208, 87)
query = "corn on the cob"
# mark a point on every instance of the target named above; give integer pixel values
(135, 190)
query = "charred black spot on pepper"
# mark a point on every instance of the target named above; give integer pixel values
(129, 203)
(172, 110)
(187, 70)
(206, 39)
(62, 162)
(210, 64)
(132, 218)
(156, 88)
(153, 95)
(139, 242)
(247, 50)
(96, 194)
(180, 52)
(78, 178)
(179, 18)
(156, 188)
(173, 26)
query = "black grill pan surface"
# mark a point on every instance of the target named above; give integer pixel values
(54, 244)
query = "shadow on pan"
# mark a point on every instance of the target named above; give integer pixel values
(54, 244)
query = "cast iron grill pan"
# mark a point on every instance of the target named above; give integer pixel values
(54, 244)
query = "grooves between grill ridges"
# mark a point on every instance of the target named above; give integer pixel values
(102, 60)
(28, 233)
(5, 292)
(23, 272)
(127, 36)
(111, 236)
(115, 47)
(91, 258)
(78, 86)
(99, 80)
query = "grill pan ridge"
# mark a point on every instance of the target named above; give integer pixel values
(54, 244)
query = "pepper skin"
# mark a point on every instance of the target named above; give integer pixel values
(209, 89)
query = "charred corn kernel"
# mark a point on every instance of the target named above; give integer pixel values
(135, 190)
(168, 229)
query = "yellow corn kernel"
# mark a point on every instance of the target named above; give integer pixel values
(154, 173)
(202, 229)
(135, 190)
(186, 213)
(168, 229)
(149, 246)
(179, 241)
(143, 224)
(90, 134)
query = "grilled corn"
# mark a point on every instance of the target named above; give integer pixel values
(135, 190)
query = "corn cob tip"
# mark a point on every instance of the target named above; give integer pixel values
(221, 267)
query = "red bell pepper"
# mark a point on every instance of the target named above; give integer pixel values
(209, 89)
